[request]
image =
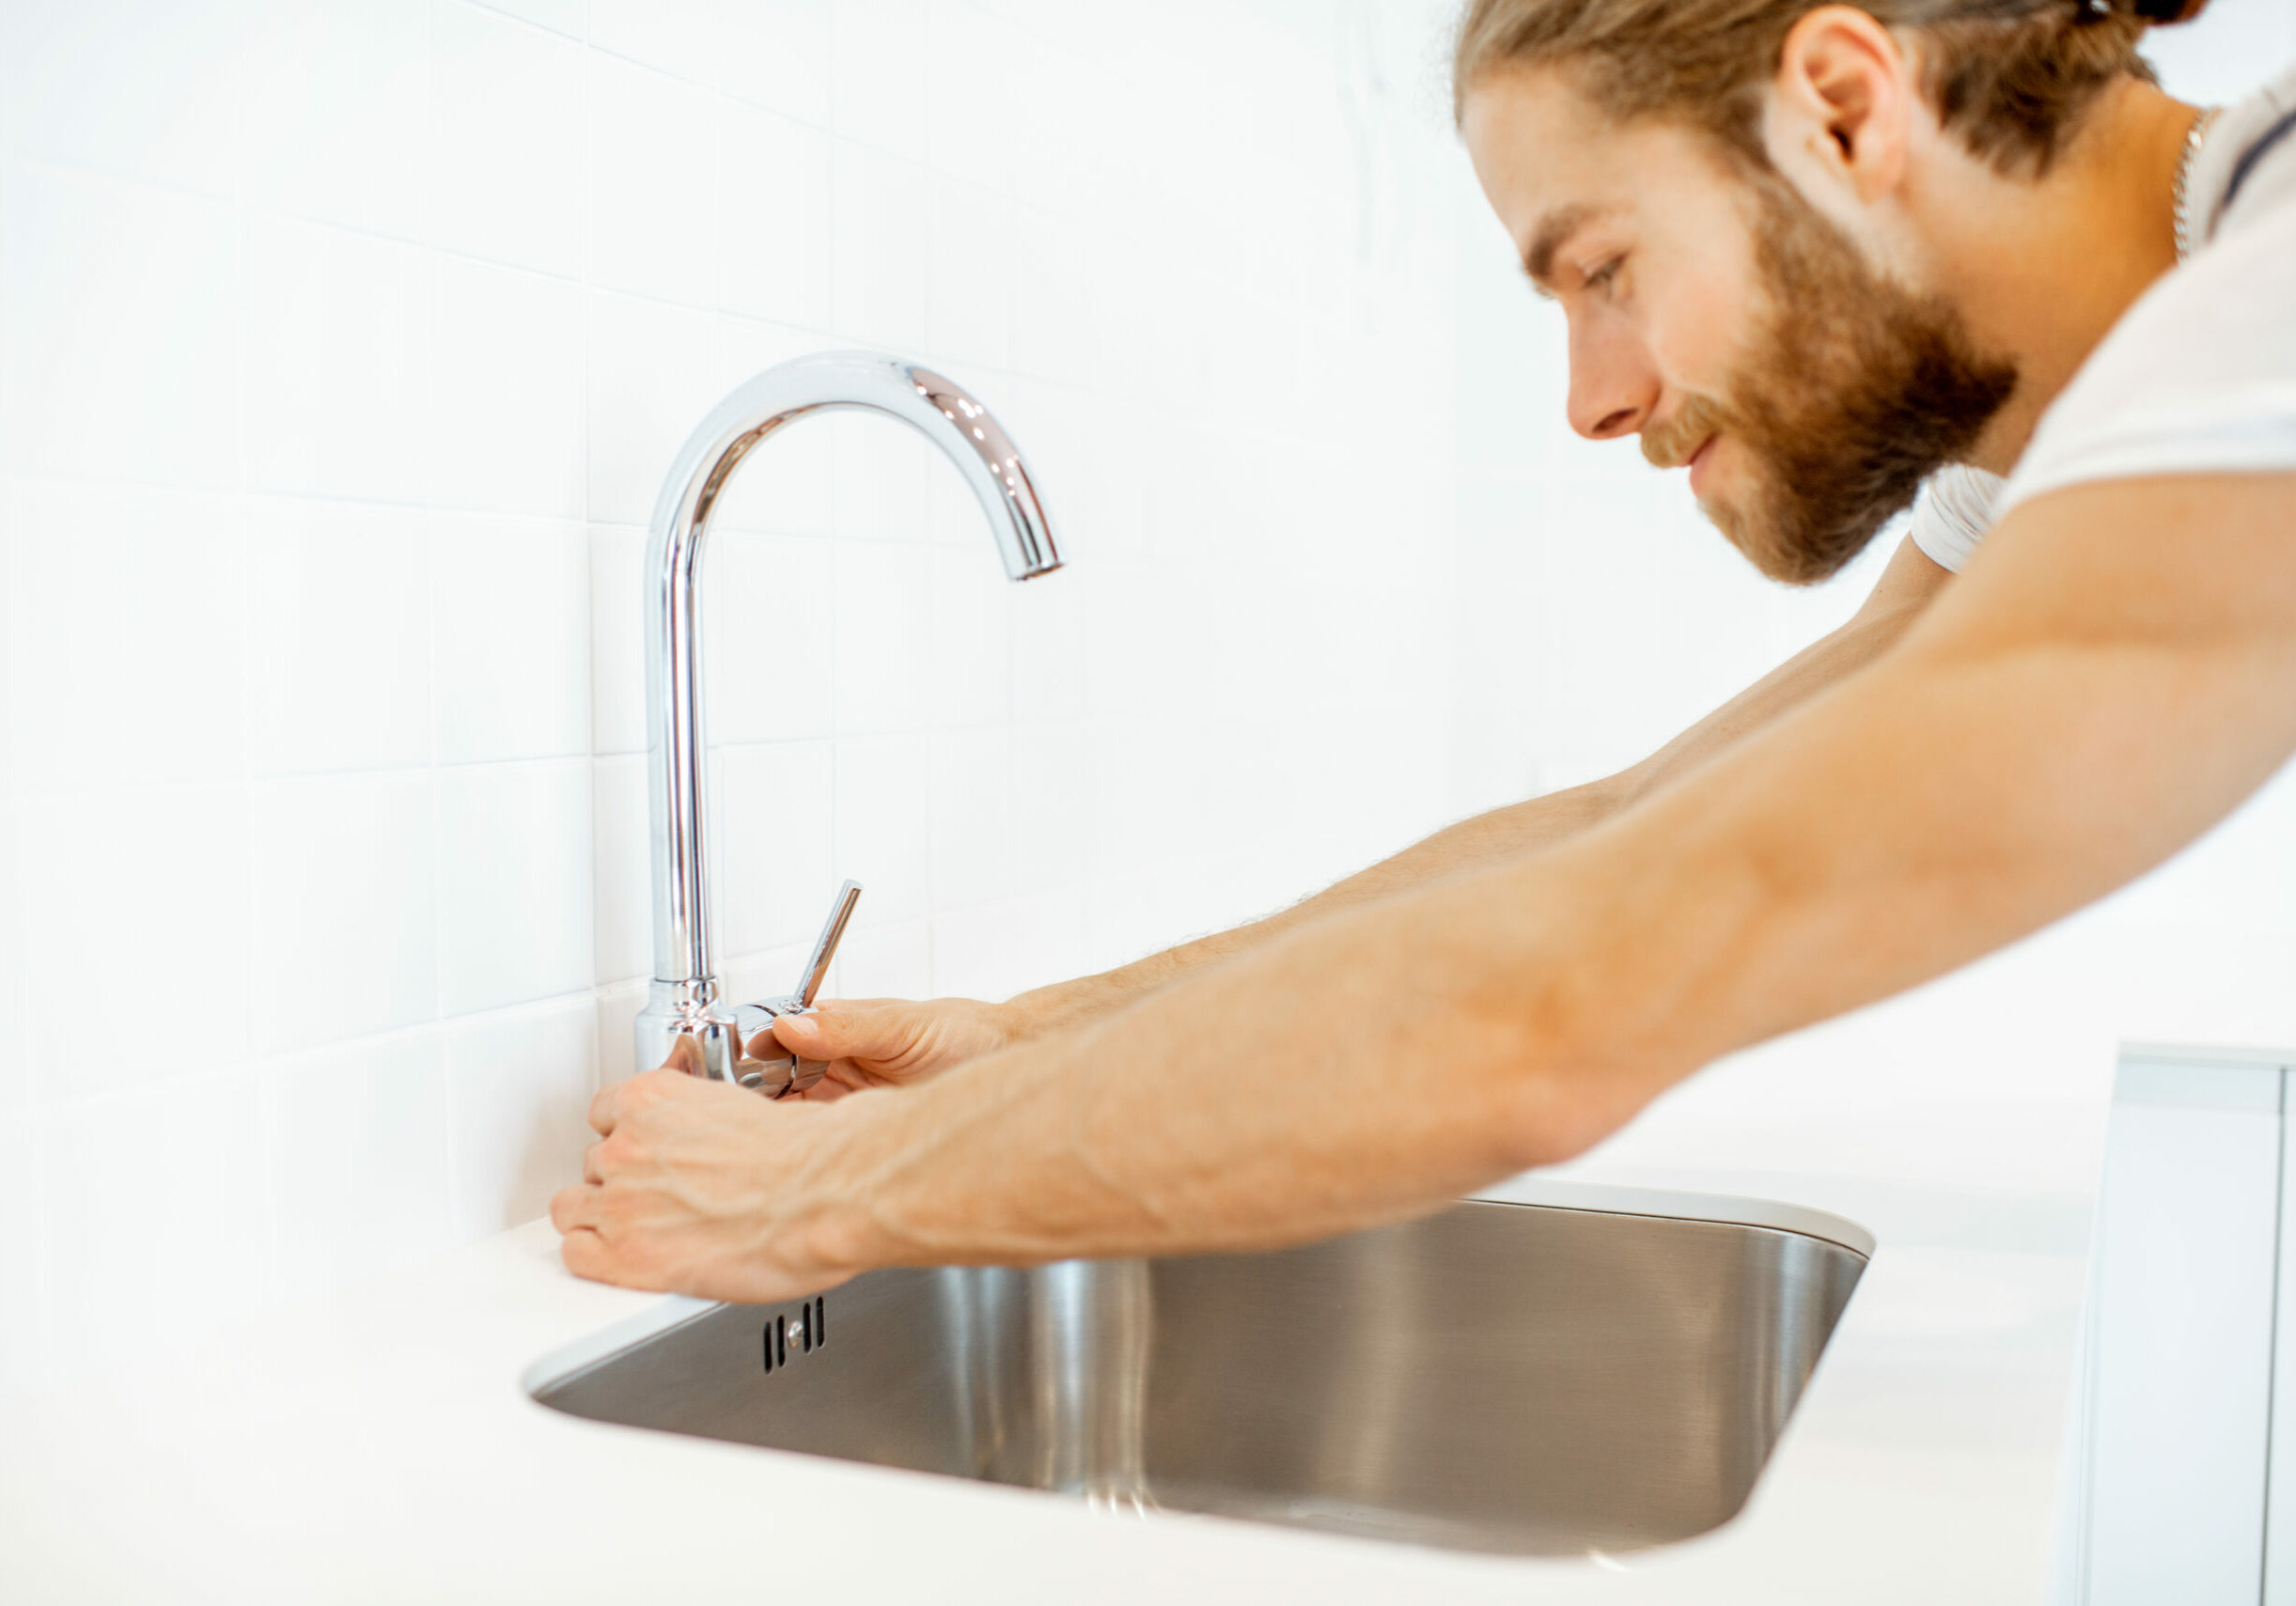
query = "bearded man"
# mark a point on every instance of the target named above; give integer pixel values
(1830, 258)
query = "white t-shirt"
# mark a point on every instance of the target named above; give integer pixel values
(2199, 375)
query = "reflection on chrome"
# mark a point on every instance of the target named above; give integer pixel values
(684, 1000)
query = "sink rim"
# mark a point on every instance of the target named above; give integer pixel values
(673, 1310)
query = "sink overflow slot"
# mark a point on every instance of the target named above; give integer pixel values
(812, 1332)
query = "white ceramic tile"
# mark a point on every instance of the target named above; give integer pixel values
(996, 950)
(340, 668)
(337, 106)
(771, 609)
(119, 311)
(18, 1076)
(682, 38)
(768, 972)
(883, 961)
(358, 1145)
(514, 884)
(884, 623)
(1142, 773)
(511, 618)
(151, 91)
(885, 824)
(621, 869)
(1063, 123)
(970, 651)
(154, 1201)
(655, 373)
(973, 835)
(975, 92)
(21, 1279)
(568, 17)
(775, 52)
(519, 1085)
(774, 204)
(617, 1014)
(141, 674)
(879, 74)
(880, 472)
(338, 369)
(1056, 285)
(506, 147)
(881, 247)
(653, 148)
(157, 877)
(617, 638)
(776, 868)
(345, 939)
(953, 515)
(968, 312)
(1050, 807)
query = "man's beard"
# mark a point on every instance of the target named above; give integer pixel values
(1854, 390)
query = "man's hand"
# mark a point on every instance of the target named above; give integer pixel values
(887, 1042)
(700, 1187)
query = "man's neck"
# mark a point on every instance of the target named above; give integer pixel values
(2041, 269)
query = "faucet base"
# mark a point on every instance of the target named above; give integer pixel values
(690, 1010)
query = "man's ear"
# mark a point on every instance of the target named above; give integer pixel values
(1841, 108)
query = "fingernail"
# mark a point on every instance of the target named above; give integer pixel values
(805, 1026)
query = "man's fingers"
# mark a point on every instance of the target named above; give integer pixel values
(586, 1256)
(615, 1104)
(605, 1109)
(573, 1209)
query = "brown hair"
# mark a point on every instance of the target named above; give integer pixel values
(2010, 77)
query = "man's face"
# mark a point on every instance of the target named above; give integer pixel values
(1719, 315)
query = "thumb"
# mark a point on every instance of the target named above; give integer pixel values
(835, 1030)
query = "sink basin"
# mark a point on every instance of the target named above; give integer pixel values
(1529, 1379)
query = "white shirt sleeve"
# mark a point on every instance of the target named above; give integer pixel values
(2198, 376)
(1952, 514)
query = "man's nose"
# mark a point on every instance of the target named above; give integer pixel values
(1614, 387)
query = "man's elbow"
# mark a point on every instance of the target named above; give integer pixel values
(1537, 1108)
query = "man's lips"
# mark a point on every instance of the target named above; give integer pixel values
(1696, 464)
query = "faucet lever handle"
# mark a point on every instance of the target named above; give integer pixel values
(825, 945)
(778, 1077)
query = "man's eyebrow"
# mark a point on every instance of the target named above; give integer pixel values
(1554, 230)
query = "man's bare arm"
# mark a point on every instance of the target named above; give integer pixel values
(896, 1042)
(2116, 671)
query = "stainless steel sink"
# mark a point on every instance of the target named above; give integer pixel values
(1522, 1379)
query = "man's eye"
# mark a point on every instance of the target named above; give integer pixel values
(1602, 276)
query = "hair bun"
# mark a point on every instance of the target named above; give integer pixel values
(2153, 13)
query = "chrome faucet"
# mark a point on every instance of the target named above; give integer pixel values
(684, 1000)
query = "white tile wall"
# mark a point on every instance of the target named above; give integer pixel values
(342, 351)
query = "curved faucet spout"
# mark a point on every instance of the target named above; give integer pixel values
(684, 995)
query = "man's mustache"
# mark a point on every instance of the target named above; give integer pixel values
(1669, 443)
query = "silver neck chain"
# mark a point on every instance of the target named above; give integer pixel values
(2184, 174)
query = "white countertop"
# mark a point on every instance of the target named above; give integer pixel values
(377, 1447)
